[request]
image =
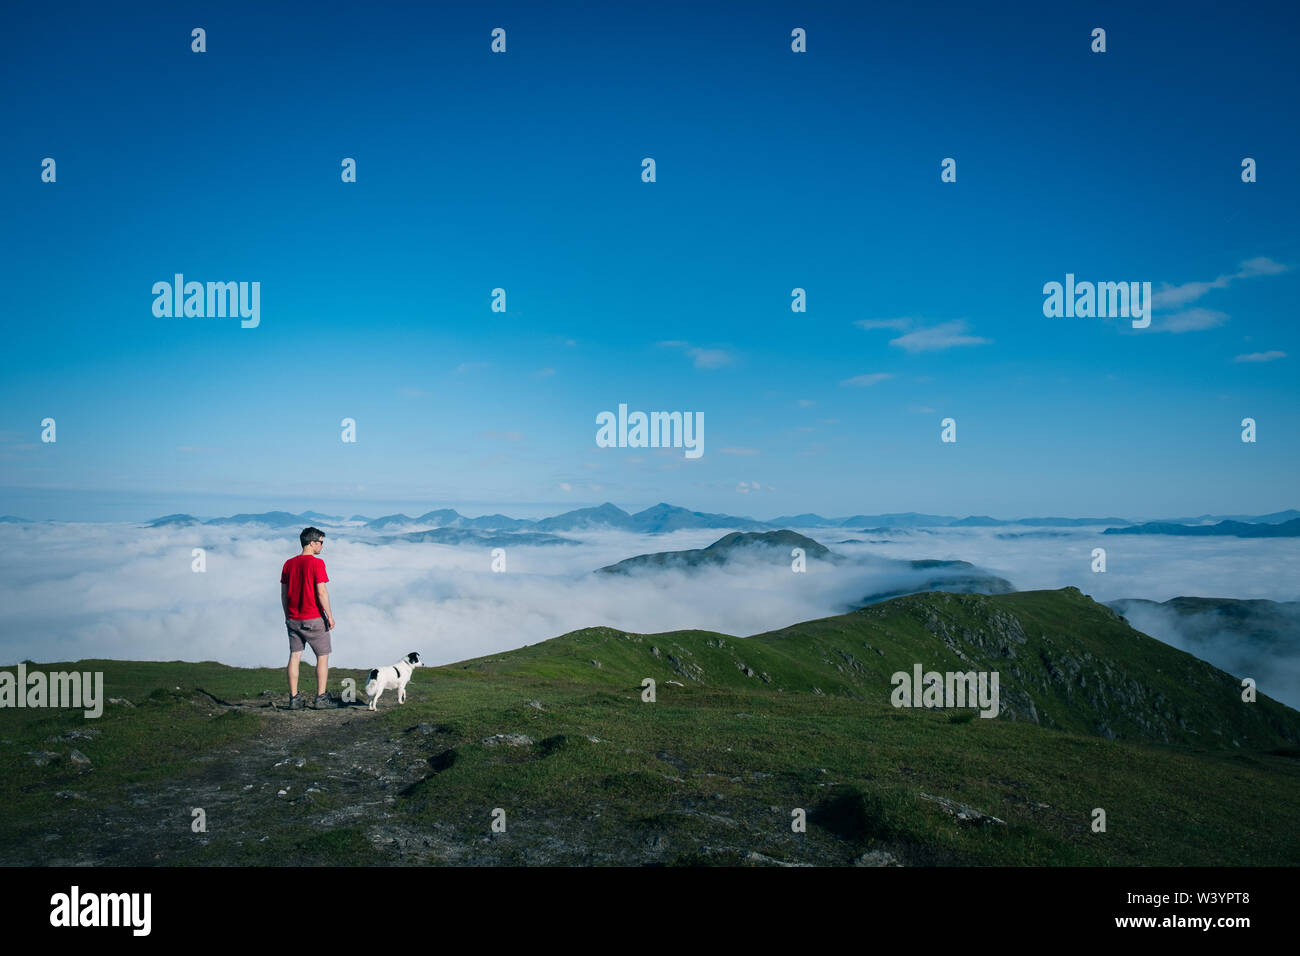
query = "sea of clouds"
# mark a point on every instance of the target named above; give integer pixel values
(72, 591)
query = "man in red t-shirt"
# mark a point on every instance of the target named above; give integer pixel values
(307, 615)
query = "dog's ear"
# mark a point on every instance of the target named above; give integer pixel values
(413, 658)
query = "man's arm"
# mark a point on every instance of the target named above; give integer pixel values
(284, 597)
(323, 602)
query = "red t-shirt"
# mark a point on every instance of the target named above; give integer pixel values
(302, 573)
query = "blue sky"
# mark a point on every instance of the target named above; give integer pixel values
(522, 170)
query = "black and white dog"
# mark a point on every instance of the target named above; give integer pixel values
(388, 678)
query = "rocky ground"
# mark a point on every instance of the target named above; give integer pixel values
(324, 770)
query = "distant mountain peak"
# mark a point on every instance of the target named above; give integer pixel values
(724, 550)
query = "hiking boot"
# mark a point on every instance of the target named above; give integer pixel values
(297, 702)
(324, 702)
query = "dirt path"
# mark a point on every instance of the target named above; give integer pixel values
(302, 769)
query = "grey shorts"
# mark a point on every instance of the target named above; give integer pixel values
(311, 631)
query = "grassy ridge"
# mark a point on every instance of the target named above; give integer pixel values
(1080, 666)
(710, 772)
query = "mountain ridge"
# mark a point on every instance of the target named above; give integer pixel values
(663, 518)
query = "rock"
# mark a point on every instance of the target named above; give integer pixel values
(69, 795)
(79, 760)
(88, 733)
(537, 704)
(595, 663)
(675, 682)
(759, 859)
(120, 700)
(687, 669)
(876, 858)
(42, 757)
(963, 813)
(676, 762)
(510, 740)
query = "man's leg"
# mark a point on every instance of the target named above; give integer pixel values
(294, 658)
(322, 672)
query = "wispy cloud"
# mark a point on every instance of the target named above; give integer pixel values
(710, 358)
(504, 436)
(1270, 356)
(861, 381)
(946, 335)
(464, 367)
(898, 324)
(412, 393)
(1189, 320)
(740, 451)
(1176, 296)
(702, 358)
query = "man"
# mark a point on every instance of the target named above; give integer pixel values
(307, 615)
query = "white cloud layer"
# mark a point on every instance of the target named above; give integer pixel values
(75, 591)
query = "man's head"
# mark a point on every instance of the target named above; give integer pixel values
(313, 539)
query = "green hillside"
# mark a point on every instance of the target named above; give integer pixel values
(743, 733)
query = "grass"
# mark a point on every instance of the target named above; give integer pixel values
(718, 765)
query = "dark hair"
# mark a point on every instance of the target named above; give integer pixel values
(311, 534)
